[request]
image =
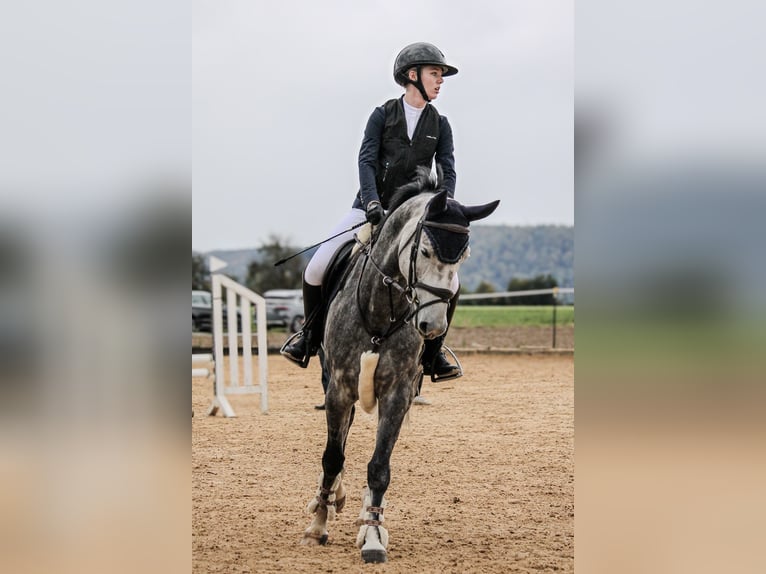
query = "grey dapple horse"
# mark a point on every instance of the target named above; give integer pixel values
(394, 296)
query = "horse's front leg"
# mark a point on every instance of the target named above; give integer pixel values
(373, 536)
(331, 495)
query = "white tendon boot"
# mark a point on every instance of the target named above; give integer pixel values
(372, 537)
(324, 506)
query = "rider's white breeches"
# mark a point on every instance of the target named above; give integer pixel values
(315, 269)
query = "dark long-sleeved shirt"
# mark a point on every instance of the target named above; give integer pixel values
(371, 161)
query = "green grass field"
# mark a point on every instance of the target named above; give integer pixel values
(503, 316)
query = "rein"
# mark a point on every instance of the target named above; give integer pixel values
(408, 291)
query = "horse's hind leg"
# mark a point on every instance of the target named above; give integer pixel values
(331, 495)
(373, 537)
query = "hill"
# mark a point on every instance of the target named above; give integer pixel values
(502, 252)
(498, 254)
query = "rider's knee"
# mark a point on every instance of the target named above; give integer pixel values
(314, 271)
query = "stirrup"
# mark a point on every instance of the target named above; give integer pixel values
(303, 363)
(456, 375)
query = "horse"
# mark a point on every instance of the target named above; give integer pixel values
(394, 296)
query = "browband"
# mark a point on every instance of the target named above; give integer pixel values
(453, 227)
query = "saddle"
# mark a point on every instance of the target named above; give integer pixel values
(333, 281)
(335, 274)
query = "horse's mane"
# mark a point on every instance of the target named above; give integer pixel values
(423, 182)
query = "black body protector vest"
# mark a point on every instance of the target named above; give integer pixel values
(399, 157)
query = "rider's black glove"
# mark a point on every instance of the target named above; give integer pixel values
(374, 212)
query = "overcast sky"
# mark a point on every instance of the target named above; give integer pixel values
(282, 92)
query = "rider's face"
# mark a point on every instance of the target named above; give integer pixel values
(432, 79)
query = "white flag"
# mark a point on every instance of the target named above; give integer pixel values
(215, 264)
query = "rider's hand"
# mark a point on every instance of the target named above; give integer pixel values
(374, 212)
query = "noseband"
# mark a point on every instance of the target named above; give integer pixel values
(409, 289)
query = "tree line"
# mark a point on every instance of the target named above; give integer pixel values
(262, 275)
(546, 281)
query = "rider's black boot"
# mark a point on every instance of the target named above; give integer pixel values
(434, 360)
(304, 344)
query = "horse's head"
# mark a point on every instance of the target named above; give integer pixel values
(431, 250)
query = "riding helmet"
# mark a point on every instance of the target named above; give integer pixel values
(419, 54)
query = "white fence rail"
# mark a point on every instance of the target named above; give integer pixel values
(553, 290)
(238, 385)
(203, 359)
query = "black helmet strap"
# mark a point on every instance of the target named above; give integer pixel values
(418, 83)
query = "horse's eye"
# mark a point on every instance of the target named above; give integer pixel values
(424, 252)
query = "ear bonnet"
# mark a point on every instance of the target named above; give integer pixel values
(447, 228)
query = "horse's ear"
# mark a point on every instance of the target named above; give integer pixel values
(438, 203)
(475, 212)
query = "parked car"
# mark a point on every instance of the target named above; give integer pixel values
(284, 307)
(202, 311)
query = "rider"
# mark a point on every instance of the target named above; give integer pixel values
(401, 135)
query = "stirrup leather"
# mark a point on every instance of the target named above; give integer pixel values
(303, 363)
(456, 375)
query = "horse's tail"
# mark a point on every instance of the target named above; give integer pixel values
(368, 363)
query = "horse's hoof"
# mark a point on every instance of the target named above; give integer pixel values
(373, 549)
(374, 556)
(314, 539)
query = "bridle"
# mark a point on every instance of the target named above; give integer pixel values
(409, 290)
